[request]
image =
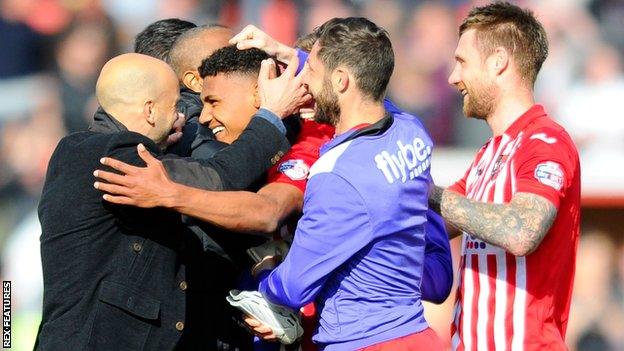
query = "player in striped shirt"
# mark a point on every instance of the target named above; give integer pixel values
(518, 203)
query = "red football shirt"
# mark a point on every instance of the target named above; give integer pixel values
(513, 303)
(294, 167)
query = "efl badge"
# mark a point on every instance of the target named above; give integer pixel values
(550, 173)
(497, 165)
(295, 169)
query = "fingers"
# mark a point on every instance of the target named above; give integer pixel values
(247, 33)
(173, 138)
(267, 70)
(145, 155)
(121, 200)
(252, 322)
(250, 43)
(260, 329)
(293, 64)
(179, 122)
(119, 166)
(113, 189)
(307, 98)
(111, 177)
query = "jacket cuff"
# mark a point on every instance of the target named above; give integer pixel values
(272, 118)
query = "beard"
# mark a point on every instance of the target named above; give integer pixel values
(327, 108)
(479, 101)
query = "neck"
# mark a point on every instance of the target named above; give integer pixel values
(133, 123)
(511, 105)
(359, 111)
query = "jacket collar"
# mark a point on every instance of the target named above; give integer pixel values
(105, 123)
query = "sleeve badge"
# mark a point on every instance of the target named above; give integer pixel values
(550, 173)
(295, 169)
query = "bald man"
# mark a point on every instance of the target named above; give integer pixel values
(185, 57)
(121, 278)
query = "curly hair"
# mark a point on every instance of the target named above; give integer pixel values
(231, 60)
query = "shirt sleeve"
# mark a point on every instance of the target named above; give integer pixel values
(294, 167)
(437, 279)
(544, 167)
(335, 225)
(460, 185)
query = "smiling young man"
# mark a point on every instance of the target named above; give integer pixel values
(518, 204)
(230, 91)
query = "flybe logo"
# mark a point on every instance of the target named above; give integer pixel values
(408, 162)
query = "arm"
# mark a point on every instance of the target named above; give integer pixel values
(252, 37)
(236, 166)
(518, 226)
(240, 211)
(437, 279)
(335, 226)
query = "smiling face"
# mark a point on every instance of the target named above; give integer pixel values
(471, 77)
(230, 101)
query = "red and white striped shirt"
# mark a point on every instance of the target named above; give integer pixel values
(514, 303)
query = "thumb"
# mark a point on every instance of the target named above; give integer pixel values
(145, 155)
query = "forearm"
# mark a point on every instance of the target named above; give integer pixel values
(239, 211)
(518, 226)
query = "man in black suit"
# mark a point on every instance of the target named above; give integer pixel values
(116, 277)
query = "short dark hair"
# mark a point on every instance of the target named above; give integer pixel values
(515, 29)
(183, 53)
(231, 60)
(306, 42)
(363, 47)
(157, 39)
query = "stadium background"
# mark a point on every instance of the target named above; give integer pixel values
(52, 50)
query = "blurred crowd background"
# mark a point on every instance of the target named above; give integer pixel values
(51, 52)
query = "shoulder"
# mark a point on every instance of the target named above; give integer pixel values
(78, 143)
(545, 134)
(328, 162)
(123, 146)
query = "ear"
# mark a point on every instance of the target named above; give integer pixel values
(256, 96)
(499, 60)
(192, 80)
(148, 112)
(340, 79)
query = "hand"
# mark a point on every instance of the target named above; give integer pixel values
(285, 94)
(176, 131)
(252, 37)
(262, 330)
(137, 186)
(268, 262)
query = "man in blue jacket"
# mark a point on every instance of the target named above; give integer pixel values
(359, 247)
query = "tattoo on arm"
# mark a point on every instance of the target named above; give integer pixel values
(518, 226)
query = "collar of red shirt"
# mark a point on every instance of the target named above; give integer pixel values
(525, 119)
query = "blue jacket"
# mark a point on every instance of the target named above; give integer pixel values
(359, 247)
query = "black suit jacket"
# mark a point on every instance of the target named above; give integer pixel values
(122, 278)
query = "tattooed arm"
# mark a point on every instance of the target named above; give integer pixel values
(518, 226)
